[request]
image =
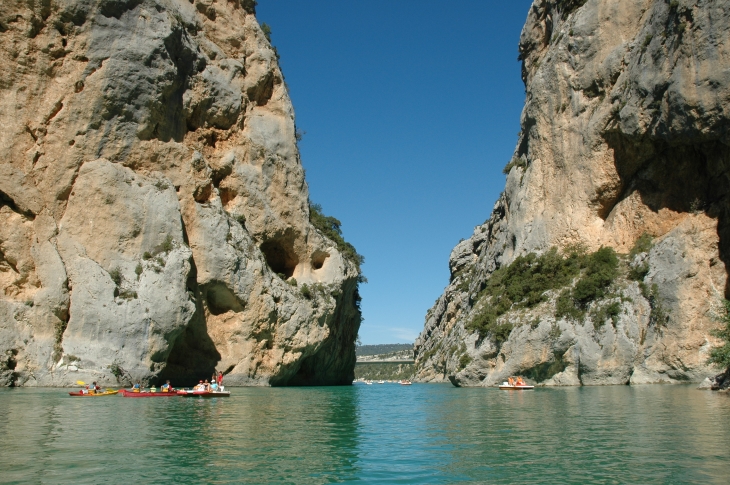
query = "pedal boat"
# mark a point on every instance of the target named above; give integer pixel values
(507, 387)
(191, 393)
(108, 392)
(128, 393)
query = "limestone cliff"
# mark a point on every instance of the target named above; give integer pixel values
(625, 131)
(154, 217)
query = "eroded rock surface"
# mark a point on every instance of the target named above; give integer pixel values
(154, 217)
(624, 131)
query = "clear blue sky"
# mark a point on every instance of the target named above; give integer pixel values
(411, 109)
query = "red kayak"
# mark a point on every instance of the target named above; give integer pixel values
(126, 393)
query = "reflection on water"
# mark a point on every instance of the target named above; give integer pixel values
(373, 434)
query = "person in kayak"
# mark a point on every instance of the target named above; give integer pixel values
(137, 387)
(94, 388)
(166, 387)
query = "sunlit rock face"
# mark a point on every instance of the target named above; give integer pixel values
(154, 216)
(625, 131)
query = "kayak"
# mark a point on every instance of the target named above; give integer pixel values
(127, 393)
(108, 392)
(191, 393)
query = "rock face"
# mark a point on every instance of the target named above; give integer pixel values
(154, 217)
(625, 131)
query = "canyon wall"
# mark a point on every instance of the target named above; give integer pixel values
(154, 216)
(625, 133)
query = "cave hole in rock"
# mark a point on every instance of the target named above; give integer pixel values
(685, 178)
(280, 256)
(220, 299)
(318, 258)
(227, 195)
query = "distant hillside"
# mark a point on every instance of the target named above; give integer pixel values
(362, 350)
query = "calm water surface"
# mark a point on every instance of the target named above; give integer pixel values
(372, 434)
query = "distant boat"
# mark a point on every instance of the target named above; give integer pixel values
(381, 382)
(405, 382)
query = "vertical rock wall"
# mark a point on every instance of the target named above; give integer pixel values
(625, 131)
(154, 216)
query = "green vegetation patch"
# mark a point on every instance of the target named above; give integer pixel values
(522, 284)
(331, 228)
(721, 355)
(384, 370)
(379, 349)
(642, 245)
(601, 269)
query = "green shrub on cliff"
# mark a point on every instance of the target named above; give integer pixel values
(522, 284)
(331, 228)
(721, 355)
(601, 269)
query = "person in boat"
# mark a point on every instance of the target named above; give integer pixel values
(520, 382)
(220, 380)
(199, 386)
(137, 387)
(206, 386)
(213, 386)
(94, 388)
(511, 381)
(166, 387)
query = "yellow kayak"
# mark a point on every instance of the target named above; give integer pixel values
(108, 392)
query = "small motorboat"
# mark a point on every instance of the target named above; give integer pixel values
(128, 393)
(192, 393)
(405, 382)
(108, 392)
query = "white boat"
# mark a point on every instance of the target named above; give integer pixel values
(405, 383)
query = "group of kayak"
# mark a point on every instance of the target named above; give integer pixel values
(166, 390)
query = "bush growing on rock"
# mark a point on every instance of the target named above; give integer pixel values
(602, 269)
(522, 284)
(642, 245)
(330, 227)
(721, 355)
(116, 275)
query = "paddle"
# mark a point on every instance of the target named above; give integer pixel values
(81, 383)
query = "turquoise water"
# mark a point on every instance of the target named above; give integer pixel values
(370, 434)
